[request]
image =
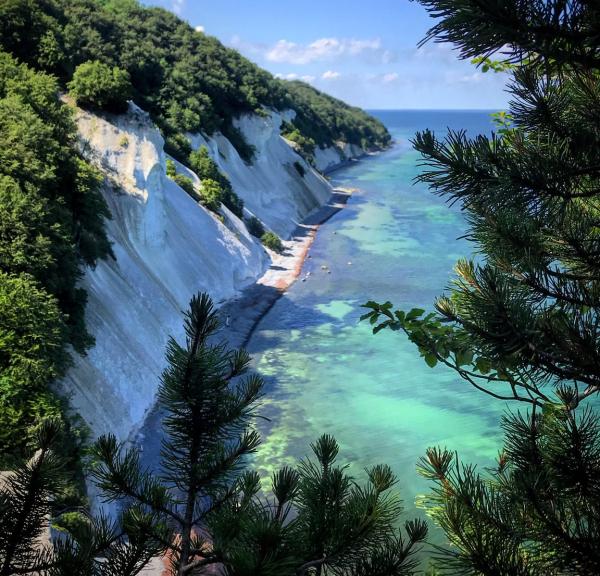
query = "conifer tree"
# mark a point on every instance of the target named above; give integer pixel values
(208, 433)
(204, 510)
(522, 321)
(94, 546)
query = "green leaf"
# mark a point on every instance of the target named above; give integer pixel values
(464, 357)
(483, 365)
(431, 359)
(414, 314)
(381, 326)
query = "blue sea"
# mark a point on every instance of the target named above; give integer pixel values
(326, 372)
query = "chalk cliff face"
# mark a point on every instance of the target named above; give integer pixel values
(336, 156)
(272, 188)
(167, 248)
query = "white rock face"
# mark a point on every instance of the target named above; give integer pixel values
(271, 186)
(335, 156)
(168, 248)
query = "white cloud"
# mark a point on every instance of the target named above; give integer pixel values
(294, 76)
(437, 51)
(390, 77)
(321, 50)
(457, 78)
(199, 28)
(330, 75)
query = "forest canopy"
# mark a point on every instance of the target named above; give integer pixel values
(186, 80)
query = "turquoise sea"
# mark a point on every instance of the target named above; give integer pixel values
(326, 372)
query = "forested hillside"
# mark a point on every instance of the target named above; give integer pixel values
(51, 225)
(186, 80)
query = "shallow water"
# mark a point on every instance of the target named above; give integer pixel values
(325, 372)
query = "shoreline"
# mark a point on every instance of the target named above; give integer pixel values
(249, 307)
(254, 302)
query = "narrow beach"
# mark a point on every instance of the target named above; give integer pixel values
(246, 311)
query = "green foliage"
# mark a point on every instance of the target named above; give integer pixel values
(186, 80)
(204, 166)
(98, 86)
(272, 241)
(519, 518)
(184, 182)
(235, 136)
(211, 195)
(519, 31)
(28, 495)
(255, 227)
(521, 323)
(503, 122)
(51, 222)
(171, 168)
(187, 184)
(206, 169)
(303, 145)
(488, 64)
(325, 120)
(31, 353)
(208, 430)
(178, 146)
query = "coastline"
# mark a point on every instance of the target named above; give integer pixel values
(247, 310)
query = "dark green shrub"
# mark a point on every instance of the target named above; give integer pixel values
(272, 241)
(255, 227)
(233, 202)
(96, 85)
(299, 168)
(178, 146)
(171, 169)
(303, 145)
(182, 181)
(206, 169)
(237, 139)
(211, 195)
(187, 184)
(204, 166)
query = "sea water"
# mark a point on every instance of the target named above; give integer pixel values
(326, 372)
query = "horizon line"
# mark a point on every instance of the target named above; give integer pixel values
(369, 109)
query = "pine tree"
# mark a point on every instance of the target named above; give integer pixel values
(25, 503)
(94, 546)
(522, 322)
(208, 430)
(537, 513)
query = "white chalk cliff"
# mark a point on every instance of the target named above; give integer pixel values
(335, 156)
(168, 247)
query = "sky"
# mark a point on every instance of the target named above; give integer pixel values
(362, 51)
